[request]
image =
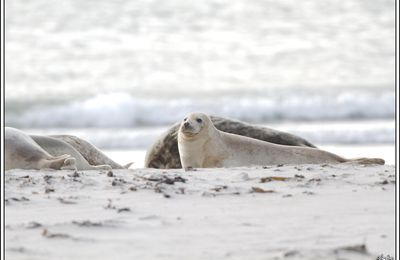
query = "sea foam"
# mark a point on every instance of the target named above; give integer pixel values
(124, 110)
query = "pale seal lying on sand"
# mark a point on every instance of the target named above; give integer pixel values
(21, 152)
(201, 145)
(164, 152)
(90, 152)
(38, 152)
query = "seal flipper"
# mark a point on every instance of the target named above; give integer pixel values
(58, 162)
(126, 166)
(69, 164)
(367, 161)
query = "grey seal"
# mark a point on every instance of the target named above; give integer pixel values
(164, 152)
(37, 152)
(202, 145)
(22, 152)
(91, 153)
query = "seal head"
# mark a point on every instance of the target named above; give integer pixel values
(194, 126)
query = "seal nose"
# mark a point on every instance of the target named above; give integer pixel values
(186, 124)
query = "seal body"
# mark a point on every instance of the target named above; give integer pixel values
(22, 152)
(90, 152)
(55, 147)
(164, 152)
(25, 151)
(201, 145)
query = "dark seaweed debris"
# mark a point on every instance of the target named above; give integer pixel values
(361, 249)
(260, 190)
(166, 179)
(87, 223)
(47, 234)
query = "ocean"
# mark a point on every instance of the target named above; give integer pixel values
(119, 73)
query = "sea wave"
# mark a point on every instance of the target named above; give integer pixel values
(124, 110)
(319, 133)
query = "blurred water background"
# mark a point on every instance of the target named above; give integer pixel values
(118, 73)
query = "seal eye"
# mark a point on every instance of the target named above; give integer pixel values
(185, 119)
(199, 120)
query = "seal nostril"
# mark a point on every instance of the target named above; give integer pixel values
(186, 124)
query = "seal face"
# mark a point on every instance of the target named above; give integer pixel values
(202, 145)
(192, 126)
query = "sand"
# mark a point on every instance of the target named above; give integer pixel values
(341, 211)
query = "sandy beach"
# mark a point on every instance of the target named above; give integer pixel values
(120, 74)
(341, 211)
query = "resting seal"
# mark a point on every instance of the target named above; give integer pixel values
(38, 152)
(90, 152)
(164, 152)
(21, 152)
(201, 145)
